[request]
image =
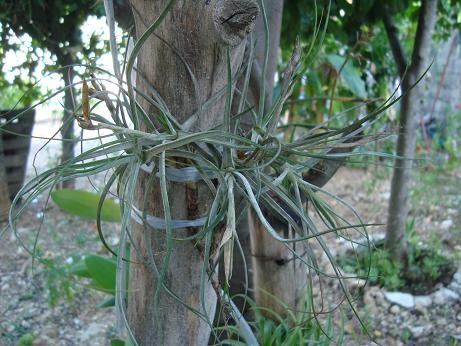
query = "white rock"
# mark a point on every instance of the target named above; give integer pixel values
(42, 340)
(446, 225)
(444, 295)
(394, 309)
(385, 195)
(455, 287)
(421, 309)
(90, 332)
(419, 331)
(373, 296)
(424, 301)
(405, 300)
(376, 237)
(457, 277)
(354, 283)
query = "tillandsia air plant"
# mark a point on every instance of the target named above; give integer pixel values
(228, 169)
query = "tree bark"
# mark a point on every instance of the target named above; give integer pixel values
(279, 278)
(401, 179)
(201, 31)
(274, 271)
(394, 42)
(4, 192)
(250, 232)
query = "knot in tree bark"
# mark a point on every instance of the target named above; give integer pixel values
(235, 19)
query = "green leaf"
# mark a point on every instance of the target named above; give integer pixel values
(102, 271)
(349, 74)
(80, 269)
(108, 303)
(117, 342)
(84, 204)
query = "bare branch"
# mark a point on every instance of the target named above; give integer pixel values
(394, 42)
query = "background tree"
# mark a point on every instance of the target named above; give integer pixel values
(409, 120)
(350, 22)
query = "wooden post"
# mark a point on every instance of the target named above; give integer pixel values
(279, 278)
(14, 151)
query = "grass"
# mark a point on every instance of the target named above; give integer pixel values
(301, 327)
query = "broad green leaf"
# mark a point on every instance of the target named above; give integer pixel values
(80, 269)
(94, 285)
(117, 342)
(102, 271)
(349, 74)
(84, 204)
(108, 303)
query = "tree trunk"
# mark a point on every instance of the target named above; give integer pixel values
(401, 179)
(272, 274)
(279, 278)
(201, 33)
(4, 192)
(67, 130)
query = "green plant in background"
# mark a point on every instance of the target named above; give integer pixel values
(388, 270)
(63, 274)
(451, 144)
(97, 272)
(12, 93)
(301, 327)
(59, 281)
(424, 260)
(26, 340)
(85, 205)
(101, 271)
(419, 274)
(376, 266)
(379, 173)
(406, 335)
